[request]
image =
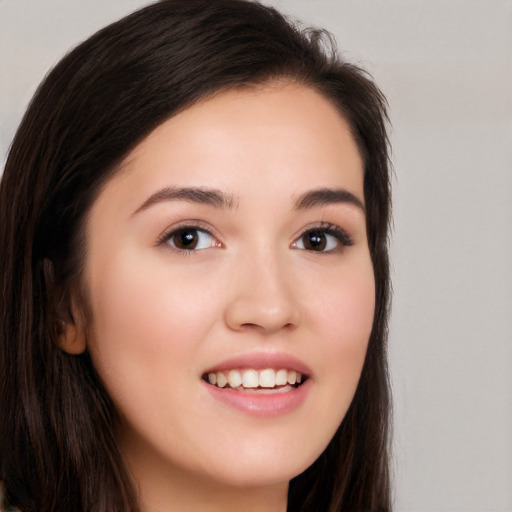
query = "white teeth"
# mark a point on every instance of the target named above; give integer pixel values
(291, 377)
(267, 378)
(281, 378)
(250, 379)
(221, 380)
(234, 378)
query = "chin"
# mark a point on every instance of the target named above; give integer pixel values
(255, 467)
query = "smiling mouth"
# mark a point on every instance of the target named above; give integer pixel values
(268, 380)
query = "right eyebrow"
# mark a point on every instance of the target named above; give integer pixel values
(198, 195)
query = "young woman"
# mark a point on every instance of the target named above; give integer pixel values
(193, 224)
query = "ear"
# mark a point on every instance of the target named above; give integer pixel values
(66, 317)
(72, 337)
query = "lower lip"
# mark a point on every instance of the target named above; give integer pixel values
(261, 405)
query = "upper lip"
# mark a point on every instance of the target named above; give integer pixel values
(260, 361)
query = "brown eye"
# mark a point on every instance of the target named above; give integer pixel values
(327, 239)
(315, 240)
(190, 239)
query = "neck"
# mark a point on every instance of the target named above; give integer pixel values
(175, 492)
(210, 499)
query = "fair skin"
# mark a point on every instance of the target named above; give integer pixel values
(216, 253)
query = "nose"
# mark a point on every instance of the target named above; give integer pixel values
(262, 297)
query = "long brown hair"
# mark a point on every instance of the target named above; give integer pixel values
(58, 448)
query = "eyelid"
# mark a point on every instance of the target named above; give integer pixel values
(328, 228)
(199, 225)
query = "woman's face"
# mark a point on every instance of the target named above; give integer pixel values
(232, 246)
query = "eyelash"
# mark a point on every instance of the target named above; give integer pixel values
(324, 228)
(339, 234)
(164, 239)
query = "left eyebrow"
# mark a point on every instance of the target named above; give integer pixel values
(326, 196)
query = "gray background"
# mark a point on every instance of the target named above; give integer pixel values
(446, 68)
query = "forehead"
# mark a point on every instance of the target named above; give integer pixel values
(285, 137)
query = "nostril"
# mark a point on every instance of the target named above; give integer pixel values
(260, 309)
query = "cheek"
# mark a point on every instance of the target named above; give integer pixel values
(147, 325)
(343, 319)
(345, 306)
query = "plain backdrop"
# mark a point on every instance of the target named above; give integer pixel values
(446, 68)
